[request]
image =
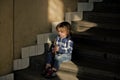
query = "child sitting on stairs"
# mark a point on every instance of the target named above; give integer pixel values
(61, 50)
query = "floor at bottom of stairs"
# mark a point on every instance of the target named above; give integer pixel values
(28, 74)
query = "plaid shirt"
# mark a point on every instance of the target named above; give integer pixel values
(65, 45)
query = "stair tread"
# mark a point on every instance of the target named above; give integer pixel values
(66, 76)
(96, 30)
(69, 66)
(103, 65)
(101, 17)
(99, 49)
(107, 7)
(86, 71)
(105, 36)
(111, 1)
(99, 33)
(88, 24)
(102, 14)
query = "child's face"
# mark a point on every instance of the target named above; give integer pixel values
(62, 32)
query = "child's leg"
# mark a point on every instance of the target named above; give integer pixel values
(59, 59)
(49, 60)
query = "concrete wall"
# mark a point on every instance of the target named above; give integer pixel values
(31, 18)
(6, 36)
(22, 20)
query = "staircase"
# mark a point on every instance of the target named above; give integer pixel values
(97, 42)
(96, 54)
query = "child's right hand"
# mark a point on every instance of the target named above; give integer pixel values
(55, 49)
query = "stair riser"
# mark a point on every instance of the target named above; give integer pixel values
(95, 39)
(107, 7)
(90, 0)
(103, 65)
(85, 25)
(95, 77)
(111, 57)
(100, 19)
(94, 74)
(111, 1)
(109, 26)
(83, 0)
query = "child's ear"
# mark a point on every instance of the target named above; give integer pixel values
(68, 32)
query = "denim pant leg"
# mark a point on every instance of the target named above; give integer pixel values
(61, 58)
(49, 58)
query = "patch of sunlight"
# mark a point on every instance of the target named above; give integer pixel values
(68, 71)
(55, 10)
(76, 17)
(81, 26)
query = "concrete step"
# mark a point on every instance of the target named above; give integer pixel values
(87, 73)
(98, 35)
(82, 26)
(83, 0)
(66, 76)
(103, 65)
(98, 17)
(106, 32)
(85, 6)
(109, 26)
(107, 7)
(69, 67)
(111, 1)
(90, 0)
(97, 52)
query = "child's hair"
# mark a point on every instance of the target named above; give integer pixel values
(64, 25)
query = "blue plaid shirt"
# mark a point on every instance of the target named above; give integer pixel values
(65, 45)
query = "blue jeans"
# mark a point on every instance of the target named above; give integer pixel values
(57, 59)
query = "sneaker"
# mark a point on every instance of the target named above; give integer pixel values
(48, 73)
(53, 74)
(48, 66)
(45, 71)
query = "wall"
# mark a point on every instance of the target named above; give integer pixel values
(31, 18)
(6, 36)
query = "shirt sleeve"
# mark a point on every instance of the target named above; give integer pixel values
(68, 48)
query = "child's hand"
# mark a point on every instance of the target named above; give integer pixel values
(55, 49)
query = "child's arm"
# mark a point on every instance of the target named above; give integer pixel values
(55, 49)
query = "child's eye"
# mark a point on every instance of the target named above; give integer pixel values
(61, 31)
